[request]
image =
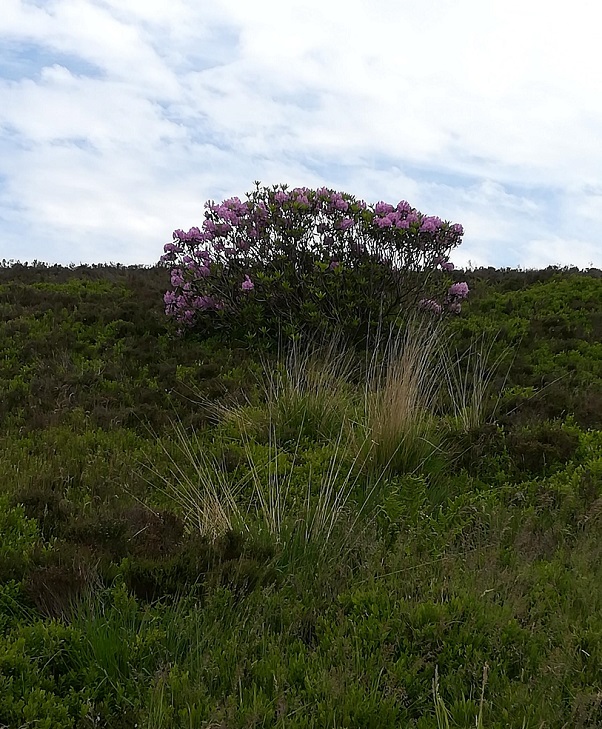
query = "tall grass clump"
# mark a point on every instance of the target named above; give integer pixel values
(400, 392)
(200, 486)
(273, 496)
(308, 393)
(390, 423)
(311, 518)
(304, 393)
(469, 377)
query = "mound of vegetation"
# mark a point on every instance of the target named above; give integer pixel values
(306, 528)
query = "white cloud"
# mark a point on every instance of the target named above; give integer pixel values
(559, 251)
(483, 113)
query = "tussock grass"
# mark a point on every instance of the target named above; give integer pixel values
(314, 518)
(469, 376)
(400, 392)
(264, 501)
(309, 392)
(386, 425)
(198, 484)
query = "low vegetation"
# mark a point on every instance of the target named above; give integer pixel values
(198, 533)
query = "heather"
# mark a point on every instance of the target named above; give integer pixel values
(196, 530)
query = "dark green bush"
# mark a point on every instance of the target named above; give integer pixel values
(541, 449)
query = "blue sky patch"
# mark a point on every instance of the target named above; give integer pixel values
(26, 60)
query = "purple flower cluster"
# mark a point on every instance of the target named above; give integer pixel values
(430, 305)
(277, 222)
(444, 263)
(183, 306)
(426, 231)
(456, 293)
(458, 290)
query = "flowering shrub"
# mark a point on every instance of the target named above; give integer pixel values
(304, 258)
(453, 300)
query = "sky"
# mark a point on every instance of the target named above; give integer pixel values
(119, 119)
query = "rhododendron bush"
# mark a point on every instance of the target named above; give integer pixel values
(293, 260)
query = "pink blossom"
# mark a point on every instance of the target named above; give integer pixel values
(205, 302)
(338, 202)
(385, 222)
(430, 305)
(247, 284)
(176, 277)
(302, 199)
(382, 208)
(430, 224)
(459, 290)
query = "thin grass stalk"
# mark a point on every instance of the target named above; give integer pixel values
(208, 502)
(331, 500)
(401, 388)
(312, 378)
(468, 377)
(441, 711)
(482, 701)
(273, 500)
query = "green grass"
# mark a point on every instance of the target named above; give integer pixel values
(409, 537)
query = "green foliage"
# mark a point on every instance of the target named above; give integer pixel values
(465, 587)
(19, 537)
(319, 262)
(552, 318)
(352, 301)
(543, 448)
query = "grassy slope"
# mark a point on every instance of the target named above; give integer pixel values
(482, 563)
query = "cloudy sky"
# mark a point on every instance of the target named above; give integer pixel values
(120, 118)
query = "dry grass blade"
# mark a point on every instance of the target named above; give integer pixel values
(205, 496)
(401, 388)
(311, 384)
